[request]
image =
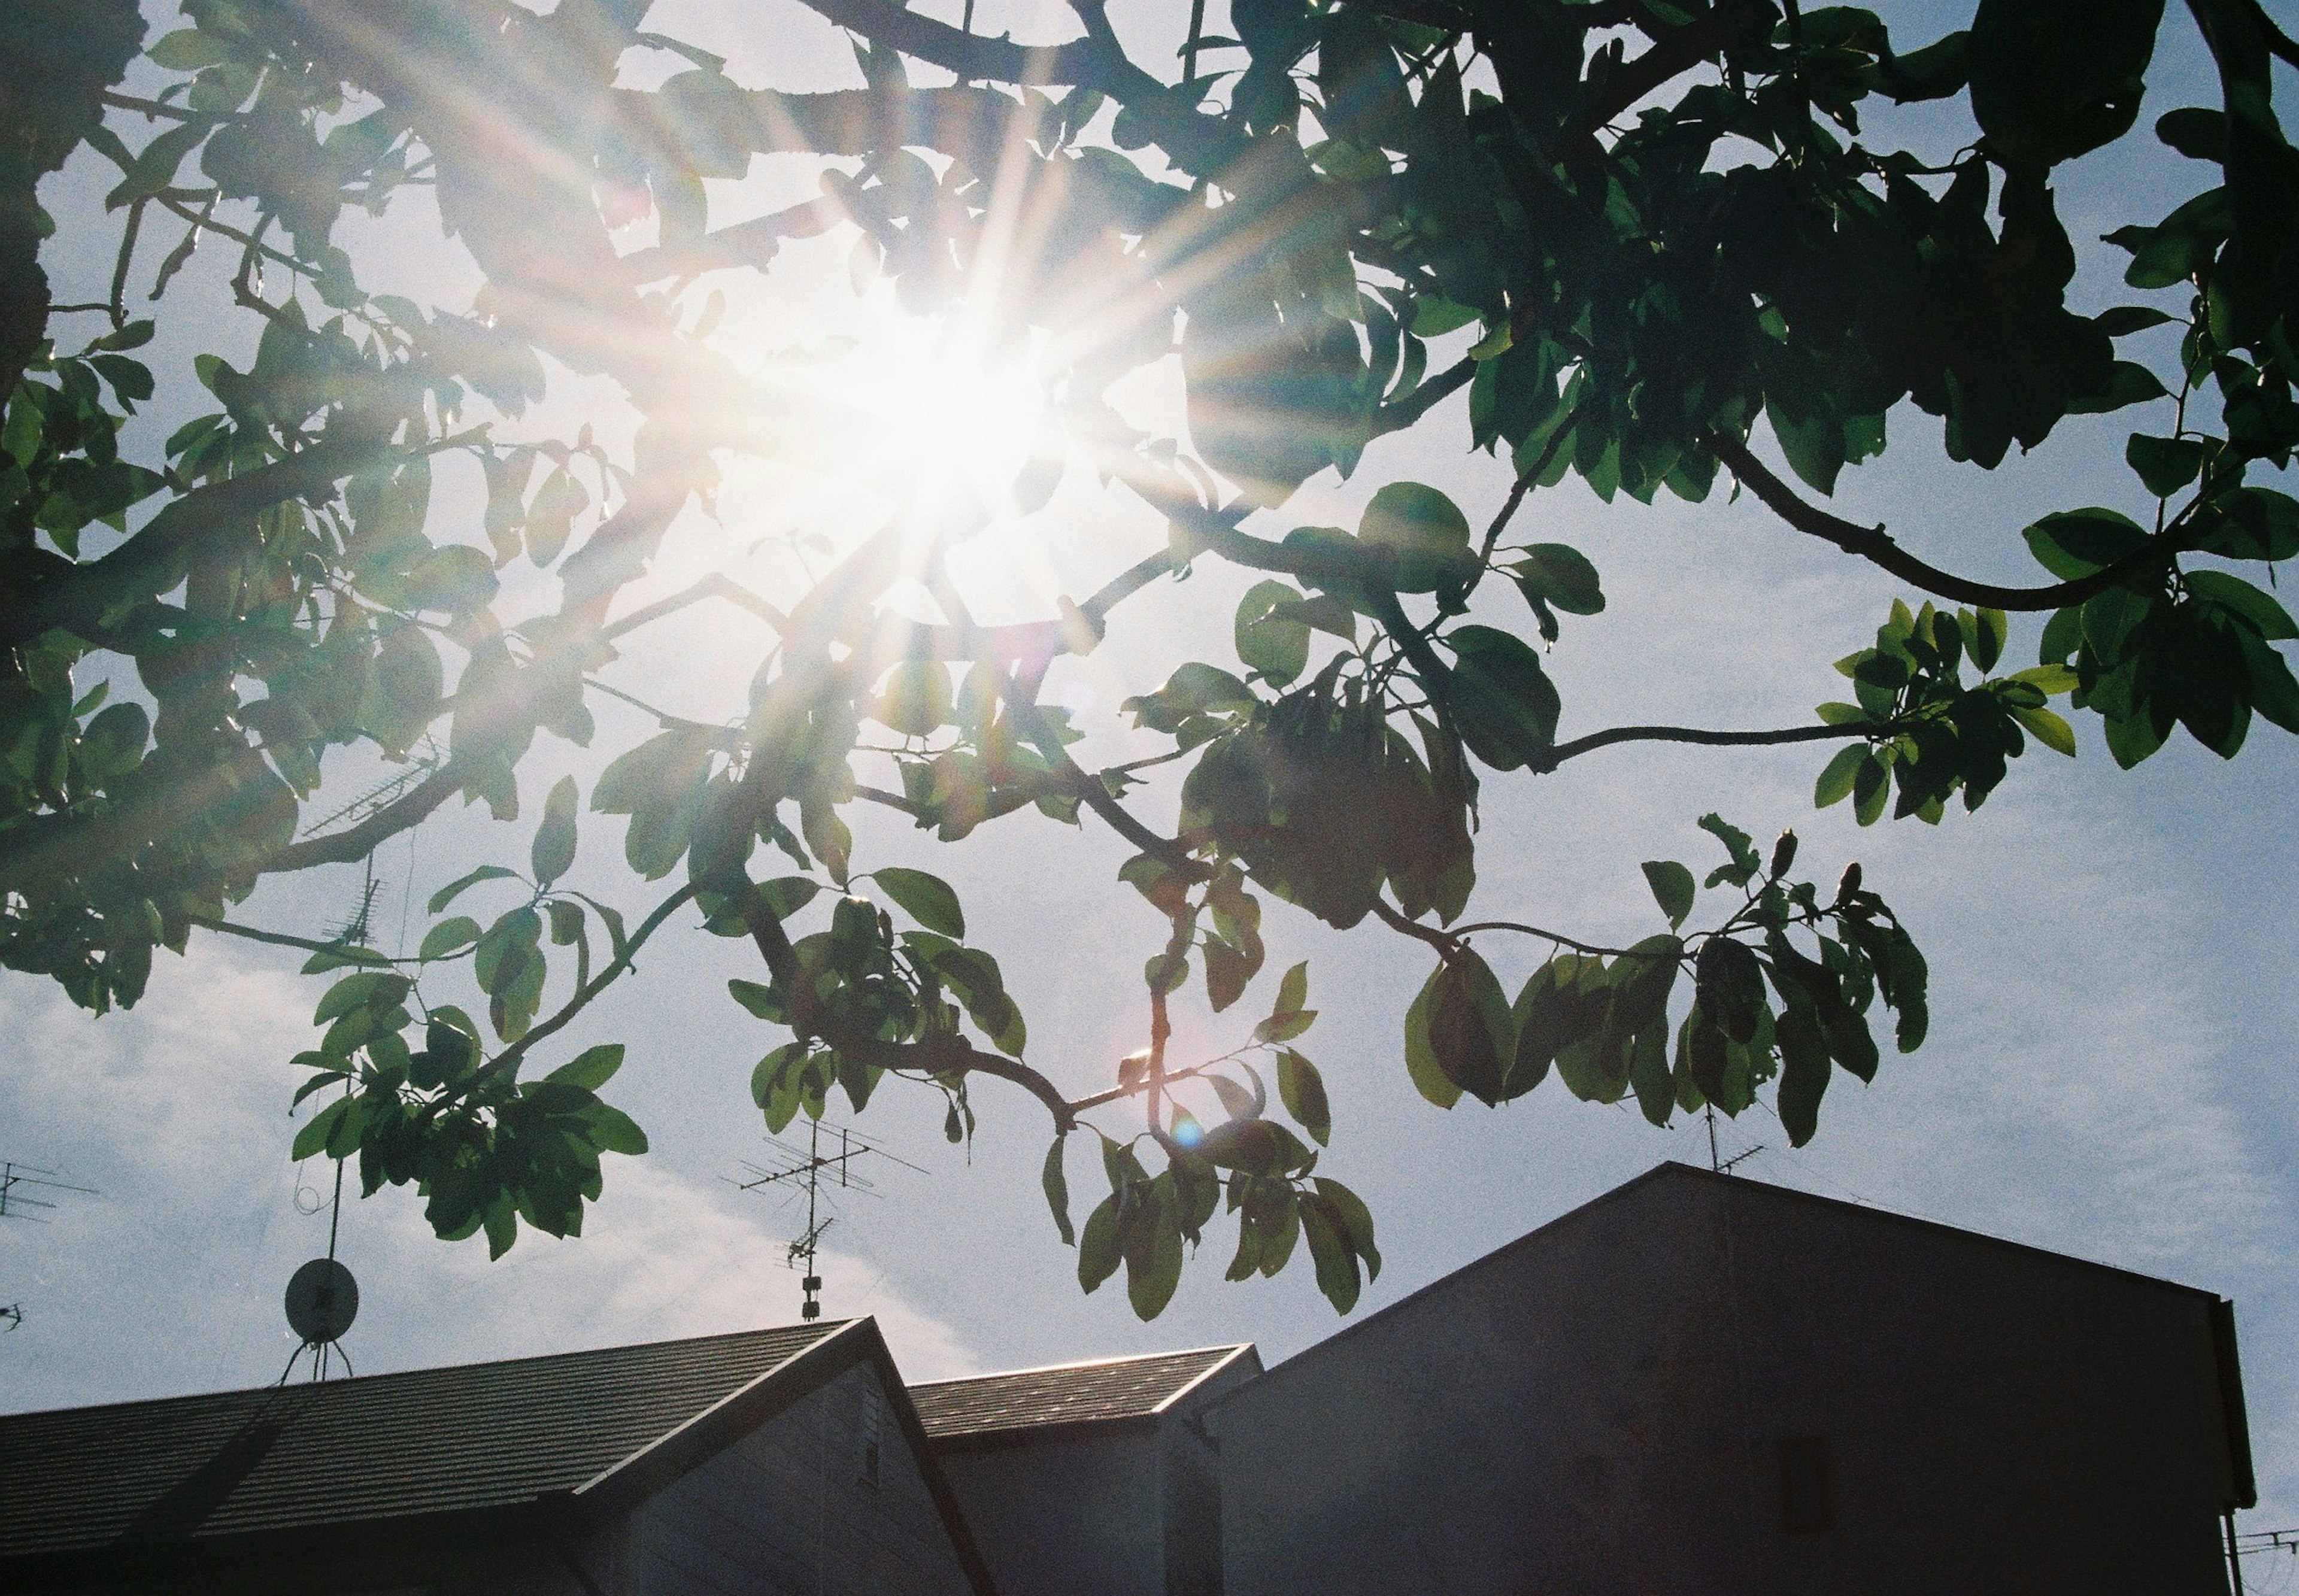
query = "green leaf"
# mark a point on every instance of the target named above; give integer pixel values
(1836, 776)
(313, 1137)
(1357, 1222)
(1671, 888)
(553, 849)
(1739, 844)
(187, 50)
(1803, 1072)
(2077, 543)
(2164, 464)
(590, 1068)
(1099, 1253)
(447, 936)
(785, 895)
(1293, 992)
(1153, 1251)
(1056, 1182)
(1328, 1250)
(1424, 534)
(2263, 611)
(1559, 575)
(926, 899)
(456, 888)
(1420, 1050)
(613, 1131)
(1503, 703)
(1985, 634)
(1472, 1034)
(1302, 1090)
(375, 989)
(1270, 638)
(1871, 785)
(2047, 728)
(915, 699)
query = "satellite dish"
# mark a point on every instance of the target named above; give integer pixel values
(322, 1300)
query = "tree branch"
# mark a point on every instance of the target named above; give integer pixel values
(508, 1059)
(1689, 734)
(78, 594)
(1872, 544)
(284, 939)
(939, 1055)
(1677, 50)
(411, 807)
(715, 586)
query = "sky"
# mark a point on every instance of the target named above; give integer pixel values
(2108, 1073)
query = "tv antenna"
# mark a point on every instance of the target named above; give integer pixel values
(16, 1203)
(809, 1170)
(19, 1199)
(1717, 1162)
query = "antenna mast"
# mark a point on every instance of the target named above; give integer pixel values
(18, 1184)
(808, 1169)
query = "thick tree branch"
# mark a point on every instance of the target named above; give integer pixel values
(355, 843)
(1674, 51)
(1874, 544)
(78, 595)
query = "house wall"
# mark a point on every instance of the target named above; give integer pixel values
(1602, 1409)
(1067, 1516)
(785, 1512)
(1125, 1507)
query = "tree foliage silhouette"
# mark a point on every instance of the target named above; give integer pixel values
(1654, 231)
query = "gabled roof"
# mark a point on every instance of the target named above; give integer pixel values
(1102, 1391)
(489, 1446)
(1686, 1178)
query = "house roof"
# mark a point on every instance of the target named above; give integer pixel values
(382, 1446)
(1688, 1177)
(1096, 1392)
(482, 1444)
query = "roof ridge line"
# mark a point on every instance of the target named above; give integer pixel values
(831, 1334)
(1232, 1348)
(402, 1374)
(1242, 1350)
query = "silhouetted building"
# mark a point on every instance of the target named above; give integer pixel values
(1696, 1384)
(1701, 1384)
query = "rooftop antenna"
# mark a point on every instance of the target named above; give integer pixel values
(357, 926)
(1717, 1162)
(809, 1169)
(17, 1204)
(19, 1184)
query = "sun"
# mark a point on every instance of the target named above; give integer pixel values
(950, 420)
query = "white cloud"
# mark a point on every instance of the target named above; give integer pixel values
(168, 1280)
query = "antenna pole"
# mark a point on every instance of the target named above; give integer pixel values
(811, 1309)
(806, 1168)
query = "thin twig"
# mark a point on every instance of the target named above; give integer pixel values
(508, 1059)
(1707, 739)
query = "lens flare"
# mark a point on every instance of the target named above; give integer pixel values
(949, 421)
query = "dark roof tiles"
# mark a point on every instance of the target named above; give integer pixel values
(1115, 1388)
(383, 1446)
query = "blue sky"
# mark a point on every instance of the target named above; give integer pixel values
(2108, 1073)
